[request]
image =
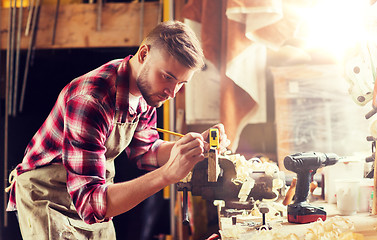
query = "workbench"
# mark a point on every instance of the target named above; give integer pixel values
(364, 223)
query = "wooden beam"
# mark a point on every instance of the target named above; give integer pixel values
(77, 25)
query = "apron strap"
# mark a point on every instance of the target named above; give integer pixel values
(11, 180)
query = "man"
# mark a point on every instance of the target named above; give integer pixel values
(64, 189)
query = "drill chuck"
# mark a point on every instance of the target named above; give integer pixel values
(332, 158)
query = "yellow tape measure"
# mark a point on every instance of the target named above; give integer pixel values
(214, 138)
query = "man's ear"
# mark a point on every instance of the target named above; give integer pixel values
(143, 52)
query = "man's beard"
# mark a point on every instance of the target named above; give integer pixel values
(145, 87)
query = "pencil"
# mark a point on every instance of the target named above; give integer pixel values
(168, 132)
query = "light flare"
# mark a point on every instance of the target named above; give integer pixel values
(335, 25)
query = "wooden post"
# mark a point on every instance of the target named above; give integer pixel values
(213, 165)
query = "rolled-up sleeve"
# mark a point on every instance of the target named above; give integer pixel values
(86, 126)
(145, 143)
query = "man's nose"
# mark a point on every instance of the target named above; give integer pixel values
(172, 91)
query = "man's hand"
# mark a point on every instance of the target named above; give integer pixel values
(223, 140)
(186, 152)
(178, 159)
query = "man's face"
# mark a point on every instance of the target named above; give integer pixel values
(161, 77)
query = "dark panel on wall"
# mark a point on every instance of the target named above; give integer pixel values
(50, 71)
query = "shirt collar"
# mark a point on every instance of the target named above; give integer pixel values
(122, 89)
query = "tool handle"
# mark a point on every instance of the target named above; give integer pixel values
(302, 187)
(186, 219)
(371, 113)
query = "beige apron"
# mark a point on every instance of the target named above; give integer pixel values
(45, 209)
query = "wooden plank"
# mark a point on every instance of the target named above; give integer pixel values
(213, 166)
(77, 25)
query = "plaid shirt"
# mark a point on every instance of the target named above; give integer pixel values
(76, 130)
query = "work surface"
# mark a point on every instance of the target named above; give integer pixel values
(363, 223)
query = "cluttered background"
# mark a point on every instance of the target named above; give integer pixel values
(283, 76)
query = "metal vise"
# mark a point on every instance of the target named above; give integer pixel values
(213, 179)
(224, 188)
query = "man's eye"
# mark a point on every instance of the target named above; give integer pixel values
(167, 77)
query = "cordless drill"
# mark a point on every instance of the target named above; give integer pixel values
(305, 165)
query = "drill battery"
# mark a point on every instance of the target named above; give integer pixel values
(303, 212)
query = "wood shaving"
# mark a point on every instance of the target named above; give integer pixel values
(232, 232)
(334, 228)
(273, 235)
(330, 229)
(244, 170)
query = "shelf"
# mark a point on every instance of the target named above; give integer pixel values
(77, 25)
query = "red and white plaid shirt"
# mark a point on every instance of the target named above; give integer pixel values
(76, 130)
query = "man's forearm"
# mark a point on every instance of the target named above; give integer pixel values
(123, 196)
(163, 152)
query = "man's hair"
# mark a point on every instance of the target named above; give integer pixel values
(179, 41)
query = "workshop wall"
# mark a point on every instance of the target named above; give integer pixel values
(257, 139)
